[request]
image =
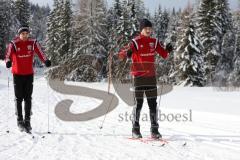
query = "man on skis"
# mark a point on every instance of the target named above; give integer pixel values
(19, 56)
(141, 51)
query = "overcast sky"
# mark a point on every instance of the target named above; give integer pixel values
(151, 4)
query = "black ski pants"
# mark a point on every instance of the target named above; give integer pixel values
(23, 88)
(147, 86)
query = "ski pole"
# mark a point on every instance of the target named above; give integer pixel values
(160, 98)
(110, 72)
(126, 62)
(8, 102)
(48, 130)
(48, 107)
(110, 57)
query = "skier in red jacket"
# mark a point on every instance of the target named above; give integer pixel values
(141, 51)
(19, 56)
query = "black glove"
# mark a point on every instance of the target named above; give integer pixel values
(129, 53)
(169, 47)
(47, 63)
(9, 64)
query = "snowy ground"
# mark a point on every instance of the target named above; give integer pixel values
(213, 133)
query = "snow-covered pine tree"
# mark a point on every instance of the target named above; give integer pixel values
(53, 33)
(161, 20)
(206, 29)
(5, 25)
(59, 31)
(190, 69)
(140, 9)
(124, 25)
(38, 25)
(131, 8)
(172, 34)
(22, 11)
(160, 32)
(90, 28)
(173, 25)
(157, 21)
(226, 43)
(147, 14)
(234, 78)
(225, 64)
(117, 8)
(65, 24)
(82, 11)
(38, 21)
(113, 18)
(111, 25)
(223, 20)
(165, 21)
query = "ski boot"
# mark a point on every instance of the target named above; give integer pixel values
(21, 125)
(136, 134)
(28, 127)
(155, 134)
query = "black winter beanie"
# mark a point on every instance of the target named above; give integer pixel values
(145, 23)
(23, 28)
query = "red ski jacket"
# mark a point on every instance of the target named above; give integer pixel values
(143, 57)
(21, 53)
